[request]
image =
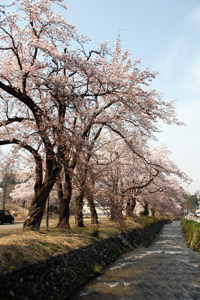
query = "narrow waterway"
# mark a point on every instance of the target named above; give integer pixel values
(166, 270)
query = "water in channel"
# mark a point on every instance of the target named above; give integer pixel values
(166, 270)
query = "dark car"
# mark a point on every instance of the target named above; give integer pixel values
(6, 217)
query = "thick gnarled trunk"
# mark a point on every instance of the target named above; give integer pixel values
(64, 196)
(130, 206)
(36, 211)
(42, 190)
(145, 212)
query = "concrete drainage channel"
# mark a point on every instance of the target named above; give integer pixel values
(57, 276)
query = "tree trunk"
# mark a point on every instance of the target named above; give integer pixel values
(36, 211)
(130, 206)
(112, 209)
(4, 197)
(5, 191)
(64, 201)
(47, 213)
(153, 212)
(146, 210)
(94, 216)
(79, 210)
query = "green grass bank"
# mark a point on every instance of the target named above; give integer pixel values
(191, 230)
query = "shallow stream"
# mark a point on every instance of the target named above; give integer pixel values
(166, 270)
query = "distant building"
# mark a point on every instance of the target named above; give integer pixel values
(99, 209)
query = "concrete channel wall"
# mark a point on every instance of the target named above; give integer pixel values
(57, 276)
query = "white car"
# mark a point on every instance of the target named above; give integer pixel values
(197, 214)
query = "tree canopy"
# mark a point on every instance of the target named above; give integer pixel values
(63, 104)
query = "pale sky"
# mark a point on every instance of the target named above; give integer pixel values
(165, 35)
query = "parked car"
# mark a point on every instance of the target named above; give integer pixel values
(197, 214)
(6, 217)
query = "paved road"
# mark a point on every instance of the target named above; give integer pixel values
(16, 225)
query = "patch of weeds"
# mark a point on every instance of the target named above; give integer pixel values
(45, 244)
(55, 247)
(119, 251)
(52, 247)
(96, 269)
(12, 268)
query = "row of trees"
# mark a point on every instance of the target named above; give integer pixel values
(192, 202)
(7, 178)
(85, 117)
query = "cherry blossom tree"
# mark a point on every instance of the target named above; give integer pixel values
(164, 195)
(153, 181)
(29, 35)
(23, 193)
(122, 173)
(81, 180)
(108, 103)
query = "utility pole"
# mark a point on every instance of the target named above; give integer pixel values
(47, 213)
(5, 188)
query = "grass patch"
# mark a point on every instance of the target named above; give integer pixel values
(118, 251)
(12, 268)
(145, 220)
(191, 230)
(96, 269)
